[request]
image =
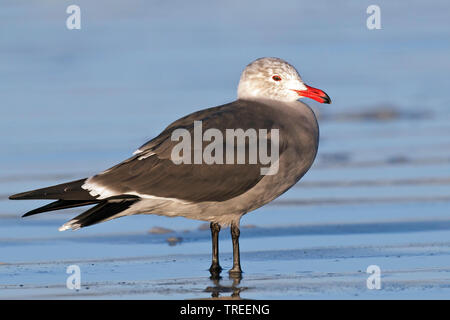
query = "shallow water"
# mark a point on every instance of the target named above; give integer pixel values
(77, 102)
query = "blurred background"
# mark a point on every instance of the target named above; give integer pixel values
(75, 102)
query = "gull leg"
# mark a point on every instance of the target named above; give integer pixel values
(215, 268)
(236, 271)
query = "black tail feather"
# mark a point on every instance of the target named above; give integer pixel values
(60, 204)
(104, 211)
(65, 191)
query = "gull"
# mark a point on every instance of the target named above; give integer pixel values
(151, 182)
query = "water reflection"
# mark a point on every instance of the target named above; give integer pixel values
(220, 291)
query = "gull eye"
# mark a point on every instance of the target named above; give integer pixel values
(276, 78)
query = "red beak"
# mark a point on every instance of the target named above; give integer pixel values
(315, 94)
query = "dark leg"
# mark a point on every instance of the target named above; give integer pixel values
(236, 271)
(215, 268)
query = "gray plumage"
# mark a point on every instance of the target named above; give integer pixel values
(149, 182)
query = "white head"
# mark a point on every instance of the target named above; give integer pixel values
(275, 79)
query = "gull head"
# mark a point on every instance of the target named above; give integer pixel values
(275, 79)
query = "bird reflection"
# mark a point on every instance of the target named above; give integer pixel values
(217, 289)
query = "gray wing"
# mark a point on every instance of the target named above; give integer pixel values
(151, 172)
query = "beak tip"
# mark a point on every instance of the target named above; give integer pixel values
(315, 94)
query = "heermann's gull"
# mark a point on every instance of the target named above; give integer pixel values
(153, 182)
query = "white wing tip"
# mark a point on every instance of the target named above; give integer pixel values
(64, 227)
(137, 151)
(69, 225)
